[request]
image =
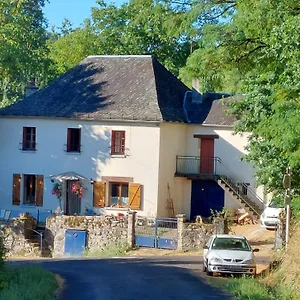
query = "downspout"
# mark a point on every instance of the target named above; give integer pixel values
(184, 108)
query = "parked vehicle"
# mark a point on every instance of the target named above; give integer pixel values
(226, 253)
(270, 216)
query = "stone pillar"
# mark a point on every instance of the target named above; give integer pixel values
(131, 229)
(180, 227)
(219, 225)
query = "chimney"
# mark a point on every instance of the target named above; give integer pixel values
(196, 95)
(31, 88)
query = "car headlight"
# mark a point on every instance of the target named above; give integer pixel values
(249, 261)
(215, 260)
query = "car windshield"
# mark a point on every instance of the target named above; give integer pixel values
(223, 243)
(274, 204)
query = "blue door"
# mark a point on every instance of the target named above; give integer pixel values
(206, 195)
(75, 242)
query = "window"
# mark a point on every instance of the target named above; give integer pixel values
(29, 189)
(73, 140)
(29, 139)
(118, 142)
(119, 194)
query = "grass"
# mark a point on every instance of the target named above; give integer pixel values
(111, 250)
(29, 283)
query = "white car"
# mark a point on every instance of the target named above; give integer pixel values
(270, 216)
(226, 253)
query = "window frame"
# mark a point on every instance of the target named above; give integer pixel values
(73, 147)
(120, 189)
(31, 133)
(118, 139)
(25, 194)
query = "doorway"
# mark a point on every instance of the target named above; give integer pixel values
(73, 203)
(206, 195)
(207, 155)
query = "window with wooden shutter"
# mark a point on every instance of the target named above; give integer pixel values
(118, 142)
(16, 189)
(135, 192)
(99, 194)
(39, 190)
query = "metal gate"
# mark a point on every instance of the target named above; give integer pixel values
(156, 233)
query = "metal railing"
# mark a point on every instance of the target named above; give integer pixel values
(196, 166)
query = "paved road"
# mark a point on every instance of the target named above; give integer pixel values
(134, 279)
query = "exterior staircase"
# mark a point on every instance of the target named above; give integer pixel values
(35, 240)
(236, 193)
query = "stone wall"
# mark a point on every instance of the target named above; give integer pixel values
(17, 237)
(193, 236)
(101, 231)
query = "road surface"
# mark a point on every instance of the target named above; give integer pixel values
(133, 279)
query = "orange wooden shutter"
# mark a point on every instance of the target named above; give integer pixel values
(135, 192)
(16, 189)
(99, 194)
(39, 190)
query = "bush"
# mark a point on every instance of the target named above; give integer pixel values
(111, 250)
(3, 282)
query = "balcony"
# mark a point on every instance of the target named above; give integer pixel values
(196, 167)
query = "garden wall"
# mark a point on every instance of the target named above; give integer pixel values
(101, 231)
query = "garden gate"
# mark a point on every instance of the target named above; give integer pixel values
(156, 233)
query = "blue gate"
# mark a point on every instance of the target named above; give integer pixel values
(156, 233)
(75, 242)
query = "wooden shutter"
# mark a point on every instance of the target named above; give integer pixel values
(69, 140)
(39, 190)
(99, 194)
(135, 192)
(16, 189)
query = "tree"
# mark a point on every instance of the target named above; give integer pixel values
(135, 28)
(256, 51)
(22, 46)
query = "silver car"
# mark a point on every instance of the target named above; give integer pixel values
(225, 253)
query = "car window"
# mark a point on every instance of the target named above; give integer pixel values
(230, 244)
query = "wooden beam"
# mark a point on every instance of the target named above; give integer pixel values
(206, 136)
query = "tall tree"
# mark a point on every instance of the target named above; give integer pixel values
(135, 28)
(256, 51)
(22, 46)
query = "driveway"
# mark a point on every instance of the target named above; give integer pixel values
(133, 278)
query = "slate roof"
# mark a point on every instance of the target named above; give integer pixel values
(109, 87)
(121, 88)
(212, 111)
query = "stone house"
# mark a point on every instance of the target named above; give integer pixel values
(119, 133)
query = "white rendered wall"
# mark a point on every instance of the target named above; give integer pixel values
(141, 161)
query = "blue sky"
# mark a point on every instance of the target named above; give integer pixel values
(74, 10)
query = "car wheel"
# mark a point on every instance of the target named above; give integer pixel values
(203, 268)
(208, 273)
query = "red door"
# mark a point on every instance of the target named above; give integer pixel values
(207, 156)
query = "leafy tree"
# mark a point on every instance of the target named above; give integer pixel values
(22, 46)
(256, 51)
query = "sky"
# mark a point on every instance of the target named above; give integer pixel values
(74, 10)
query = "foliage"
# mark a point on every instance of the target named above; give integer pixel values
(22, 47)
(77, 188)
(57, 190)
(134, 28)
(3, 282)
(111, 250)
(29, 283)
(255, 51)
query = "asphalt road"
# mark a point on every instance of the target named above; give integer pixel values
(133, 279)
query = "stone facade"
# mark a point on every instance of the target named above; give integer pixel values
(17, 237)
(101, 231)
